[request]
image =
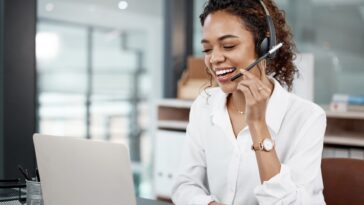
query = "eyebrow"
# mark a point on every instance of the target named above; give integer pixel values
(220, 38)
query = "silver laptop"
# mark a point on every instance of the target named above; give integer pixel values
(76, 171)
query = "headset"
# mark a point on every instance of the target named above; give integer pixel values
(267, 47)
(270, 40)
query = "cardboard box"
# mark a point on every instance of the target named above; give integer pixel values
(194, 79)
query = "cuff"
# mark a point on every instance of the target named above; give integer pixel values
(202, 200)
(276, 188)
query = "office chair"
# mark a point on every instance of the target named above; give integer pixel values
(343, 181)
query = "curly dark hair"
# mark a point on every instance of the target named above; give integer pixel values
(252, 13)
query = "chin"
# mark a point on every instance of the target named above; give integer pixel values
(228, 88)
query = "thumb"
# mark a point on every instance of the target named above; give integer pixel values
(263, 74)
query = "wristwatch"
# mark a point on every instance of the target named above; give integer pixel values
(266, 145)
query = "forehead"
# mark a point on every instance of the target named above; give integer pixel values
(221, 23)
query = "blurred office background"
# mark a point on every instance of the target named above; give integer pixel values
(330, 29)
(95, 64)
(101, 65)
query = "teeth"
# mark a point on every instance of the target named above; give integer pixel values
(222, 72)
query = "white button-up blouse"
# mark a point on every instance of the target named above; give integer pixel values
(216, 166)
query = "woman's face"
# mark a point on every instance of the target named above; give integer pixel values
(227, 44)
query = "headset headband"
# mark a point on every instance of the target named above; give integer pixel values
(271, 29)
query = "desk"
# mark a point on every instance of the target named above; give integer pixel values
(141, 201)
(15, 194)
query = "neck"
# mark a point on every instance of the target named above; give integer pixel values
(236, 101)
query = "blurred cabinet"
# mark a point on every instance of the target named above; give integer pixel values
(172, 120)
(344, 135)
(169, 145)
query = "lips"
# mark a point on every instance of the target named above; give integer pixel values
(224, 74)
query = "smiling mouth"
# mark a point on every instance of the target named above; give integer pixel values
(220, 73)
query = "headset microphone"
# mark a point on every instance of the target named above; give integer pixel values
(266, 55)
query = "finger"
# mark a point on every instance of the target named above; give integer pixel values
(257, 80)
(264, 94)
(262, 68)
(263, 74)
(250, 100)
(264, 91)
(248, 74)
(253, 87)
(261, 85)
(253, 77)
(258, 90)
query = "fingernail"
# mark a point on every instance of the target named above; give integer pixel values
(242, 70)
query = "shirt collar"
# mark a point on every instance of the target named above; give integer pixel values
(276, 108)
(219, 114)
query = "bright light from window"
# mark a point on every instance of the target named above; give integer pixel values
(49, 7)
(91, 8)
(47, 45)
(123, 5)
(361, 9)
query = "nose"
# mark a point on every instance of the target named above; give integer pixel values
(217, 57)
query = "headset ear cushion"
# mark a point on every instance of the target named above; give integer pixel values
(263, 47)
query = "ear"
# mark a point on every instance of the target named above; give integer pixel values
(263, 47)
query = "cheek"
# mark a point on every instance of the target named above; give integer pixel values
(207, 63)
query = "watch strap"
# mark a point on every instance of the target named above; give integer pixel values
(258, 147)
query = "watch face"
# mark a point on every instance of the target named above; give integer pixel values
(268, 144)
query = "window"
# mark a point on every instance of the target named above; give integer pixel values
(98, 72)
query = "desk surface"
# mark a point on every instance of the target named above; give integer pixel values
(141, 201)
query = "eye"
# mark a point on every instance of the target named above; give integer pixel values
(206, 51)
(229, 47)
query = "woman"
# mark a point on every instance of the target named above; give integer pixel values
(249, 141)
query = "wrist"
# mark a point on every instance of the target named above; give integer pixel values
(259, 131)
(267, 145)
(257, 125)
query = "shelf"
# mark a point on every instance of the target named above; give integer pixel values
(172, 124)
(345, 115)
(343, 128)
(357, 141)
(176, 103)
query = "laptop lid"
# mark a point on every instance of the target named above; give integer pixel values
(76, 171)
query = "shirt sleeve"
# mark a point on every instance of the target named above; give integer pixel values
(299, 180)
(191, 183)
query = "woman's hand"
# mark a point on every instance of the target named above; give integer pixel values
(257, 92)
